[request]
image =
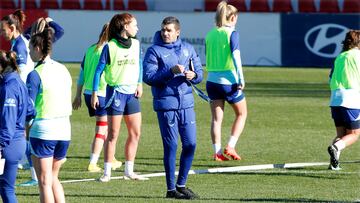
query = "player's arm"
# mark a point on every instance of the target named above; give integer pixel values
(197, 67)
(235, 50)
(139, 88)
(104, 59)
(9, 111)
(80, 83)
(58, 30)
(33, 83)
(152, 75)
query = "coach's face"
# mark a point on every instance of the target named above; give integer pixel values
(169, 33)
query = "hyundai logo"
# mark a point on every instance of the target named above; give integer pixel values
(325, 40)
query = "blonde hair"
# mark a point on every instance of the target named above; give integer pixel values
(223, 13)
(103, 37)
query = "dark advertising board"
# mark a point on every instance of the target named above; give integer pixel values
(314, 40)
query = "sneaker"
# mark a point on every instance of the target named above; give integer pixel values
(174, 194)
(220, 157)
(334, 169)
(28, 183)
(334, 161)
(115, 164)
(189, 194)
(94, 168)
(134, 176)
(229, 151)
(104, 178)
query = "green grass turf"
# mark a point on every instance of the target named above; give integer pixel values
(288, 121)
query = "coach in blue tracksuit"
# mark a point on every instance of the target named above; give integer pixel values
(166, 70)
(15, 105)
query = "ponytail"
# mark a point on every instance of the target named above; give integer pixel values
(17, 19)
(38, 26)
(43, 40)
(223, 13)
(103, 37)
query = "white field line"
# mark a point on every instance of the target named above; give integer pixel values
(219, 170)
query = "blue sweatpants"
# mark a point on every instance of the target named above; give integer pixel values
(172, 124)
(12, 154)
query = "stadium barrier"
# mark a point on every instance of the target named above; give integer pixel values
(285, 6)
(266, 39)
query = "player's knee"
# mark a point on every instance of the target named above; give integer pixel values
(170, 147)
(190, 146)
(45, 180)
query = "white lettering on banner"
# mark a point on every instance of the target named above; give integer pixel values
(317, 39)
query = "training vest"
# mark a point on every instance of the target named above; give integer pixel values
(345, 80)
(346, 73)
(54, 97)
(124, 67)
(218, 52)
(91, 61)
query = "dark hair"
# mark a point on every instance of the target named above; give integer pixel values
(171, 20)
(352, 40)
(43, 40)
(17, 18)
(117, 24)
(38, 26)
(8, 61)
(103, 37)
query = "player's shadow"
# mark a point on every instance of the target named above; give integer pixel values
(275, 200)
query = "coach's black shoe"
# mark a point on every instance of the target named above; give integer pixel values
(334, 161)
(174, 194)
(187, 192)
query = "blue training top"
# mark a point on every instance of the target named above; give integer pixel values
(15, 108)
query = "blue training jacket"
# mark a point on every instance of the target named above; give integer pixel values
(15, 108)
(170, 91)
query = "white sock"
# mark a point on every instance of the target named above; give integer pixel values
(340, 145)
(94, 158)
(33, 173)
(232, 141)
(180, 185)
(217, 148)
(337, 154)
(107, 168)
(129, 167)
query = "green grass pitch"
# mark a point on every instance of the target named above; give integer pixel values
(288, 122)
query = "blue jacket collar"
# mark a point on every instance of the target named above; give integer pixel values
(158, 41)
(9, 76)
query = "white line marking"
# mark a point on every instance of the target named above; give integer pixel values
(219, 170)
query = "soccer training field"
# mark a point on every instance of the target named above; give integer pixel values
(288, 122)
